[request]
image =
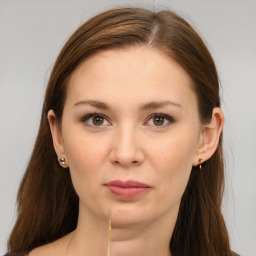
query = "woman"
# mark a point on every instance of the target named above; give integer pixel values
(130, 134)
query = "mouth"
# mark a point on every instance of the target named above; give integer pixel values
(130, 188)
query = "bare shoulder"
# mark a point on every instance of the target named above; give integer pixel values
(55, 248)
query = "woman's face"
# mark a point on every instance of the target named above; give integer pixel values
(124, 141)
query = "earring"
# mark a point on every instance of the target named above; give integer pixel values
(200, 163)
(62, 160)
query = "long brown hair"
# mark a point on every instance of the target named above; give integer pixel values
(47, 203)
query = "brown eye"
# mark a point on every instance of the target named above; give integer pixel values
(94, 120)
(161, 120)
(158, 120)
(97, 120)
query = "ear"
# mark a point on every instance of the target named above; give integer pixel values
(56, 134)
(209, 137)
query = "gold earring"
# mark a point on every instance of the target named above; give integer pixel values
(200, 163)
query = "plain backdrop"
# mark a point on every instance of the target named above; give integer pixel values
(32, 34)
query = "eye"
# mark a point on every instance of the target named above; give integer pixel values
(97, 119)
(161, 120)
(94, 119)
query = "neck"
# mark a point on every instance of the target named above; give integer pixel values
(91, 238)
(127, 242)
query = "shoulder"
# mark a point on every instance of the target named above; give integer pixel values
(52, 249)
(44, 250)
(235, 254)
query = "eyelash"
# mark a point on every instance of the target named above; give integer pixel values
(161, 115)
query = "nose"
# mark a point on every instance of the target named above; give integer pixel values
(126, 148)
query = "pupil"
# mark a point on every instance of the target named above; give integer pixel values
(97, 120)
(158, 120)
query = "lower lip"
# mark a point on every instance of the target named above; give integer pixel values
(127, 192)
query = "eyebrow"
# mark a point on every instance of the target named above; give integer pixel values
(142, 107)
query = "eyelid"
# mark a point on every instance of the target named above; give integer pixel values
(167, 117)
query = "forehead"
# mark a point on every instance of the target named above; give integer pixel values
(134, 75)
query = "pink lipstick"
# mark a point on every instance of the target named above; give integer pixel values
(128, 188)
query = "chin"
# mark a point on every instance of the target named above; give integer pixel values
(123, 218)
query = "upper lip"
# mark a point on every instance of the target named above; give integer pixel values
(127, 184)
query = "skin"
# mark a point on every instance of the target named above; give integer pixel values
(129, 144)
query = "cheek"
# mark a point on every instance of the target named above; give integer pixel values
(173, 163)
(83, 150)
(85, 155)
(176, 151)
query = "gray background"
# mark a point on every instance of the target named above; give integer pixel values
(32, 34)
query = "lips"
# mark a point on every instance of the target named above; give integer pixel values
(128, 188)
